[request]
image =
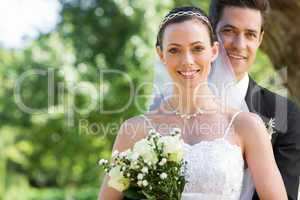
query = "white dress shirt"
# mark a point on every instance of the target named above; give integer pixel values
(237, 94)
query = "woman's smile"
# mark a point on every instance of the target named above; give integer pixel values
(189, 74)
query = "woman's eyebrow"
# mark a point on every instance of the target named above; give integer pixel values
(197, 42)
(174, 44)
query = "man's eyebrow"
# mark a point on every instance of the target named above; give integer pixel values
(233, 27)
(251, 31)
(228, 26)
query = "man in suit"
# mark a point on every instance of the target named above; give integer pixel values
(239, 25)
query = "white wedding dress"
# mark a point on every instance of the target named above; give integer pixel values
(215, 169)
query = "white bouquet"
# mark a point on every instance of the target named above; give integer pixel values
(154, 169)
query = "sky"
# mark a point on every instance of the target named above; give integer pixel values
(22, 20)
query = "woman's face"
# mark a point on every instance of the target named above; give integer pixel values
(187, 52)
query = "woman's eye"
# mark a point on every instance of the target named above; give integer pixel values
(198, 49)
(173, 50)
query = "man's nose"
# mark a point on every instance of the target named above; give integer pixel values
(239, 42)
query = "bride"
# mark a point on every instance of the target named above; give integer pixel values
(219, 142)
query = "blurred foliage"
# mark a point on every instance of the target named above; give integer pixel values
(52, 99)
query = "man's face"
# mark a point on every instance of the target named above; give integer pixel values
(239, 29)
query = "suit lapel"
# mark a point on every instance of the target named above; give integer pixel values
(255, 102)
(252, 98)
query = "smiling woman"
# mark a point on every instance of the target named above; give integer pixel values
(22, 20)
(186, 47)
(187, 52)
(215, 159)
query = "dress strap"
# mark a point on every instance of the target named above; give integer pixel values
(148, 121)
(230, 123)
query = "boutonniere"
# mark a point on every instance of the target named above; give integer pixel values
(270, 127)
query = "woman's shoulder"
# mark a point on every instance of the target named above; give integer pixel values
(141, 120)
(135, 120)
(132, 130)
(242, 117)
(250, 127)
(133, 124)
(247, 120)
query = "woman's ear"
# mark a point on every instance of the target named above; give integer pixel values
(160, 53)
(215, 51)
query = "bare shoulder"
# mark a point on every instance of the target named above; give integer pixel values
(243, 120)
(134, 127)
(131, 130)
(248, 120)
(250, 128)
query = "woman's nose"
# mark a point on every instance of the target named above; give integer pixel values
(188, 59)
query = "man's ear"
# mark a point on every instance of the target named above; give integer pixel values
(215, 51)
(160, 54)
(261, 37)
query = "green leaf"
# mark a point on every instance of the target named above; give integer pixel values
(133, 193)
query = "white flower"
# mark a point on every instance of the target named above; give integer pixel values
(117, 180)
(175, 131)
(102, 162)
(272, 122)
(270, 125)
(152, 132)
(145, 183)
(172, 148)
(124, 154)
(162, 162)
(134, 165)
(145, 170)
(163, 176)
(115, 153)
(144, 149)
(140, 183)
(140, 176)
(133, 156)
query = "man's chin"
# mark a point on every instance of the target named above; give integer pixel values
(240, 71)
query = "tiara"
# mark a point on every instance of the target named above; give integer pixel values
(185, 13)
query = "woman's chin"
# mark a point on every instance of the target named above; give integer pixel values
(192, 83)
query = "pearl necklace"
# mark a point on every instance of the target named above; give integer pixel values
(186, 115)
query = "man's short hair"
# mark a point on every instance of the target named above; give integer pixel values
(217, 7)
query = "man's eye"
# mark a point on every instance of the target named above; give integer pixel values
(251, 35)
(173, 50)
(227, 31)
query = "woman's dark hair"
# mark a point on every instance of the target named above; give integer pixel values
(172, 18)
(217, 8)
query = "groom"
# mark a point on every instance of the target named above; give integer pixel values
(240, 26)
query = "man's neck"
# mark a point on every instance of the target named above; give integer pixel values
(239, 77)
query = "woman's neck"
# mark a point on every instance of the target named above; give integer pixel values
(191, 100)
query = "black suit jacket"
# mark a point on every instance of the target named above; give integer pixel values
(286, 140)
